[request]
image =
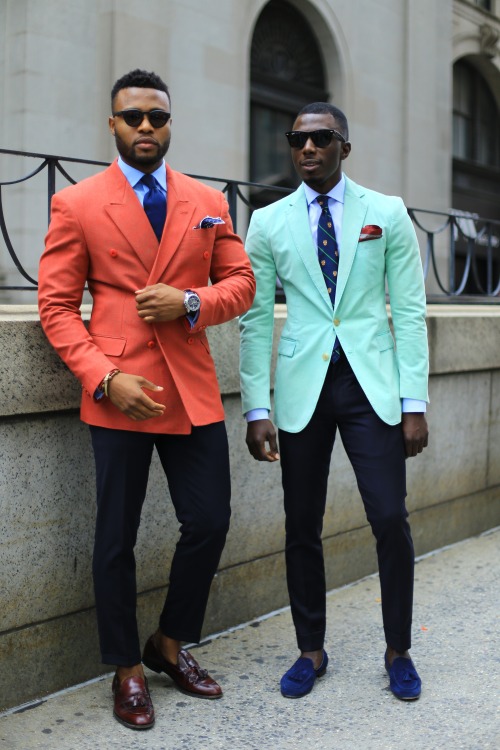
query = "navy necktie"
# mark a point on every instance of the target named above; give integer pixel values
(155, 204)
(328, 256)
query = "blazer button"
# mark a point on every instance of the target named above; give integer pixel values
(151, 344)
(113, 252)
(336, 322)
(326, 356)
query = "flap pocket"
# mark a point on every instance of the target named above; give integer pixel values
(113, 346)
(385, 341)
(286, 347)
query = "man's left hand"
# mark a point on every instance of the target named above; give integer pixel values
(159, 303)
(415, 432)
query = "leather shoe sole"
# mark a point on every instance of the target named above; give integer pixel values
(187, 674)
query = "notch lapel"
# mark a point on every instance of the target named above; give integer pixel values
(352, 222)
(126, 212)
(297, 217)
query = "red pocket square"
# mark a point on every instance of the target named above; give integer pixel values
(370, 232)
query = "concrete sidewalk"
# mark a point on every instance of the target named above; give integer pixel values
(456, 649)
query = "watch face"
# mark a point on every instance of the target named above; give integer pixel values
(192, 302)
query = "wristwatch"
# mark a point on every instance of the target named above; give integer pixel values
(191, 301)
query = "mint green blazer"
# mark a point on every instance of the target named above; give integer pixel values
(388, 366)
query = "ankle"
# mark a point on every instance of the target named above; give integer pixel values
(315, 656)
(392, 654)
(124, 672)
(168, 647)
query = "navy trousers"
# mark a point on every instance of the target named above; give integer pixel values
(197, 471)
(376, 452)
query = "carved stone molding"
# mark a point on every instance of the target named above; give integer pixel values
(488, 40)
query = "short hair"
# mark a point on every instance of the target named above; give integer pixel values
(140, 79)
(324, 108)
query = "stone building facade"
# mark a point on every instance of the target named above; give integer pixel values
(418, 79)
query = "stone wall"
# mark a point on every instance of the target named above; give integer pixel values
(48, 636)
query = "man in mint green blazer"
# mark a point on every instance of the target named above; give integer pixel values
(337, 248)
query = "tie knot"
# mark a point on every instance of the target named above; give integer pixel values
(149, 181)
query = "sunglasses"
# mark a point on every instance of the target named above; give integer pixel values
(134, 117)
(320, 138)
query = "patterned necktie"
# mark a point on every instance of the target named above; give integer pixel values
(155, 204)
(328, 256)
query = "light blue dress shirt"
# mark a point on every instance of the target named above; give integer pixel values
(134, 176)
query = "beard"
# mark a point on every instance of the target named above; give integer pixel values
(131, 156)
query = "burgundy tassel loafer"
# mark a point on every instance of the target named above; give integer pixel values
(133, 705)
(187, 673)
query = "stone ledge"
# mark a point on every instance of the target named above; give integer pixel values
(34, 379)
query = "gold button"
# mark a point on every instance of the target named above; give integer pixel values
(336, 322)
(326, 356)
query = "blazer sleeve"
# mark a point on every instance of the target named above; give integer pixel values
(407, 298)
(256, 326)
(63, 273)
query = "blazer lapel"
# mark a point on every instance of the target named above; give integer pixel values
(179, 217)
(126, 212)
(352, 222)
(298, 221)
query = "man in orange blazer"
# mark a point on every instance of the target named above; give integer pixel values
(159, 273)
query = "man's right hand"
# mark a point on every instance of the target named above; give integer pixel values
(260, 432)
(126, 393)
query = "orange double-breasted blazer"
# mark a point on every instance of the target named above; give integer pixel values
(100, 235)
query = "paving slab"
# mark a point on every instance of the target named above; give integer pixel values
(456, 649)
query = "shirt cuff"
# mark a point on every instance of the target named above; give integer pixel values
(193, 318)
(254, 414)
(413, 405)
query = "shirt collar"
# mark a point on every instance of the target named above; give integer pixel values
(134, 175)
(337, 192)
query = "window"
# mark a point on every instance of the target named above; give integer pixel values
(476, 161)
(476, 122)
(485, 4)
(287, 72)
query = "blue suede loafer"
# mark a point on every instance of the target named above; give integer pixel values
(300, 678)
(404, 680)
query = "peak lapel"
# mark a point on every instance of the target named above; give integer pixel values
(180, 214)
(126, 212)
(353, 217)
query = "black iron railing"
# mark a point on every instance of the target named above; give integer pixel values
(465, 267)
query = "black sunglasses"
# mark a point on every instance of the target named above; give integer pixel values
(320, 138)
(134, 117)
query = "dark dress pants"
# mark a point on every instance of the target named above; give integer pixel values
(376, 452)
(197, 471)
